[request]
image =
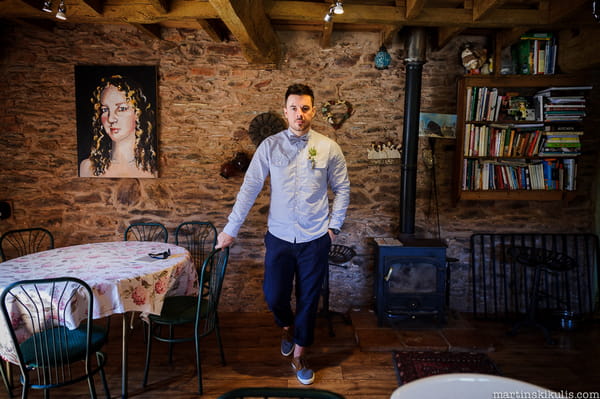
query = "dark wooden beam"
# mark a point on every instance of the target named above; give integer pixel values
(96, 6)
(215, 32)
(413, 8)
(325, 41)
(162, 6)
(483, 8)
(150, 30)
(47, 25)
(445, 34)
(248, 23)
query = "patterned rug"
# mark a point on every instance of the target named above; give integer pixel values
(411, 365)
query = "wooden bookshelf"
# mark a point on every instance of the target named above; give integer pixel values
(527, 84)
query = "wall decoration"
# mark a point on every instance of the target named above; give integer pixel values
(384, 153)
(382, 58)
(437, 125)
(336, 112)
(265, 125)
(116, 121)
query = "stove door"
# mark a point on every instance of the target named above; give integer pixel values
(413, 286)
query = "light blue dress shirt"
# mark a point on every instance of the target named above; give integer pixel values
(299, 210)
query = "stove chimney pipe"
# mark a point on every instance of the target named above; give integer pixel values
(415, 47)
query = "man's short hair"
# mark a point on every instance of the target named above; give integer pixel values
(299, 89)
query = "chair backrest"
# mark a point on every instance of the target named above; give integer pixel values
(211, 279)
(309, 393)
(199, 238)
(141, 231)
(15, 243)
(43, 330)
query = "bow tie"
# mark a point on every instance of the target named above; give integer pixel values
(298, 139)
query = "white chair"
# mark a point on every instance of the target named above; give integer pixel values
(468, 386)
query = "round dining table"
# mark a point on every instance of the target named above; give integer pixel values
(125, 276)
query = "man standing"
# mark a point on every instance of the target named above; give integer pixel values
(302, 164)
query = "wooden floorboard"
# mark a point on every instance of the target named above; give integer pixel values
(356, 362)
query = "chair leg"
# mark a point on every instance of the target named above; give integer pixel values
(171, 332)
(92, 386)
(5, 375)
(219, 341)
(198, 363)
(148, 350)
(25, 385)
(100, 358)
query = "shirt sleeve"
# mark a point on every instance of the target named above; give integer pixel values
(254, 181)
(337, 174)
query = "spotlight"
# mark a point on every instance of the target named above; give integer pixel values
(62, 11)
(338, 8)
(47, 7)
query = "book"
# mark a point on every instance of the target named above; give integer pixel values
(562, 88)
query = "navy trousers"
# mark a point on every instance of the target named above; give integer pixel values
(306, 263)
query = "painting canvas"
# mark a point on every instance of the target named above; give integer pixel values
(116, 121)
(437, 125)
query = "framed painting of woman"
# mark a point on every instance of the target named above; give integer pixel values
(116, 121)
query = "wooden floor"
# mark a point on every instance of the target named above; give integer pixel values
(356, 363)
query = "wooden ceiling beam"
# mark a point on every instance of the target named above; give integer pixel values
(151, 30)
(44, 24)
(248, 23)
(445, 34)
(483, 8)
(212, 30)
(96, 6)
(413, 8)
(325, 41)
(162, 6)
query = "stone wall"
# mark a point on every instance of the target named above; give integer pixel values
(208, 95)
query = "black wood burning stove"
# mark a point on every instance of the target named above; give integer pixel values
(410, 281)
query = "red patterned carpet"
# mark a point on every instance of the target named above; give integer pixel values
(411, 365)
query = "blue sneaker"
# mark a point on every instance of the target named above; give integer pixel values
(305, 375)
(287, 342)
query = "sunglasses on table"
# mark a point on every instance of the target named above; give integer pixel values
(160, 255)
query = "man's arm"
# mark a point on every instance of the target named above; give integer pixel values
(340, 186)
(253, 183)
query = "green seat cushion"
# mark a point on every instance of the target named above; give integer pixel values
(61, 340)
(179, 310)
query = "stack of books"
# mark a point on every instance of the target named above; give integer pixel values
(535, 54)
(561, 104)
(561, 141)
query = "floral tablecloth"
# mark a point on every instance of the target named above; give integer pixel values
(121, 274)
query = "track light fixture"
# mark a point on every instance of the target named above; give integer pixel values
(335, 8)
(47, 7)
(62, 11)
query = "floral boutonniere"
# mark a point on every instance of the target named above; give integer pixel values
(312, 156)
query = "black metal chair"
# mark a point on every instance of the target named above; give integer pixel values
(141, 231)
(20, 242)
(200, 311)
(56, 354)
(541, 261)
(338, 256)
(308, 393)
(199, 238)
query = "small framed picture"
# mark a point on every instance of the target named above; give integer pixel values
(437, 125)
(116, 121)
